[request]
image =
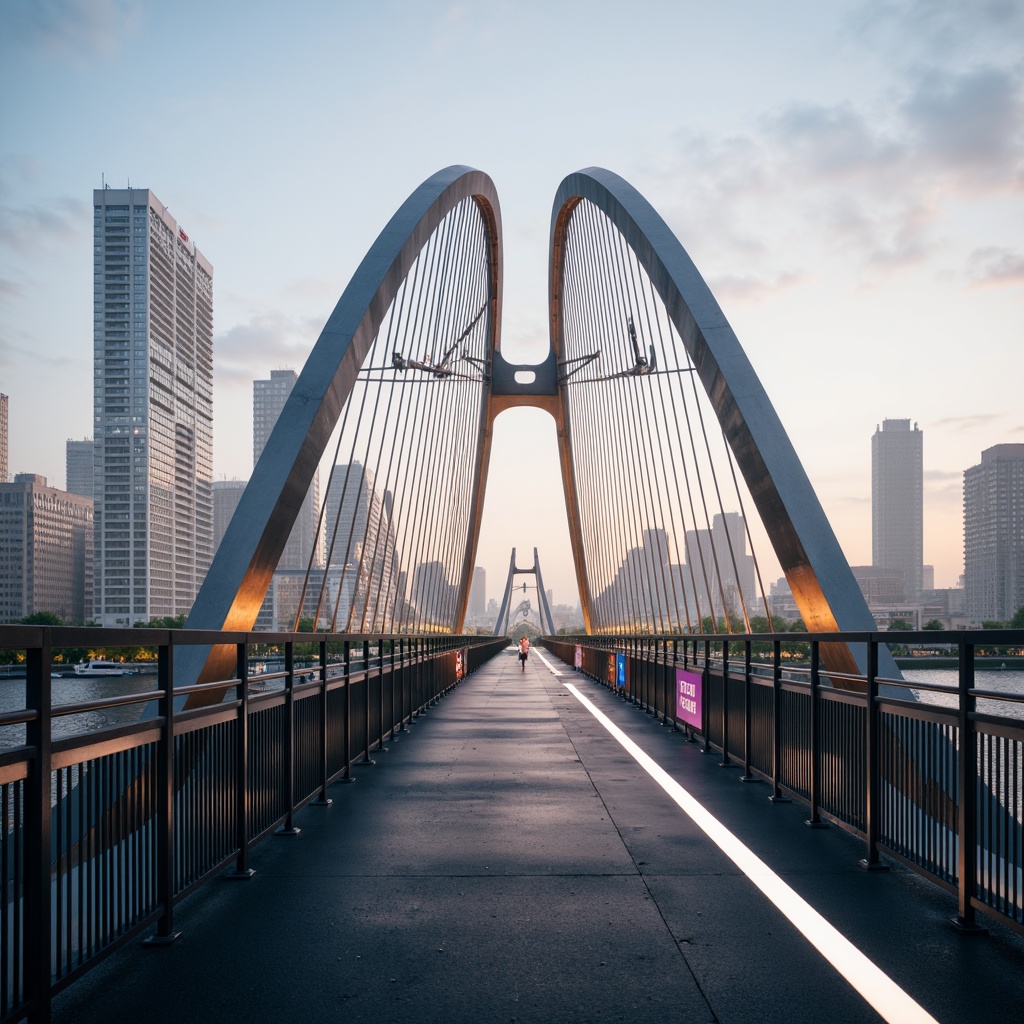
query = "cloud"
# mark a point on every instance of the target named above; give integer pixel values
(62, 26)
(991, 265)
(942, 476)
(33, 229)
(938, 31)
(748, 288)
(271, 340)
(10, 289)
(969, 127)
(963, 424)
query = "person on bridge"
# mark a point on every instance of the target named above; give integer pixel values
(524, 650)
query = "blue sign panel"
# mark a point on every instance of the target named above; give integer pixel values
(620, 670)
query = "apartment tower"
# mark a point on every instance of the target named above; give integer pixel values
(46, 538)
(153, 410)
(268, 399)
(79, 467)
(994, 534)
(897, 502)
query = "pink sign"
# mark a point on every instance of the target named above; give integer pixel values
(577, 658)
(688, 697)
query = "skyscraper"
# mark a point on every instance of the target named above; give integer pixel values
(994, 534)
(478, 594)
(153, 410)
(360, 541)
(80, 467)
(3, 439)
(45, 551)
(226, 496)
(897, 502)
(268, 399)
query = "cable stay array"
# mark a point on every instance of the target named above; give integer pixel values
(666, 544)
(395, 514)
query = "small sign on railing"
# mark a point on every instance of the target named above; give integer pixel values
(688, 697)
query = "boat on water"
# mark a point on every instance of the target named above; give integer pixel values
(103, 668)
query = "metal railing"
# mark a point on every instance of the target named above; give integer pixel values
(930, 775)
(110, 822)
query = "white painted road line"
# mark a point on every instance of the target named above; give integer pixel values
(554, 671)
(871, 983)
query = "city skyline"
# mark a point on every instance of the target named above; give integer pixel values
(851, 192)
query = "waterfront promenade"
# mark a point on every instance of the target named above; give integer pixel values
(509, 860)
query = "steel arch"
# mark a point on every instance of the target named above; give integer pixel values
(817, 571)
(244, 564)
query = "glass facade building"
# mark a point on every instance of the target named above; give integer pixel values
(994, 534)
(153, 410)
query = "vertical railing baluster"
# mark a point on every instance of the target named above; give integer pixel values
(380, 696)
(725, 762)
(165, 933)
(872, 775)
(323, 734)
(814, 821)
(367, 760)
(748, 775)
(242, 797)
(288, 828)
(347, 731)
(404, 687)
(39, 739)
(967, 805)
(777, 797)
(706, 695)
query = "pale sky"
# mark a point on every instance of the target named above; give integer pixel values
(847, 176)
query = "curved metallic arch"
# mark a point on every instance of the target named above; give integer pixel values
(822, 583)
(244, 564)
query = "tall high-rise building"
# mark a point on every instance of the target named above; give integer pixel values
(360, 541)
(226, 496)
(3, 439)
(268, 399)
(45, 551)
(478, 593)
(80, 467)
(897, 502)
(153, 410)
(994, 534)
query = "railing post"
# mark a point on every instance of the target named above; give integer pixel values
(872, 784)
(777, 797)
(668, 677)
(403, 659)
(242, 869)
(705, 714)
(967, 809)
(367, 760)
(814, 821)
(38, 821)
(288, 828)
(346, 656)
(725, 762)
(394, 694)
(416, 683)
(380, 696)
(165, 933)
(748, 775)
(323, 800)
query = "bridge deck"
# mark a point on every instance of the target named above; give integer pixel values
(509, 861)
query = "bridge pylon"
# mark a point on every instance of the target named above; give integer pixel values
(544, 610)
